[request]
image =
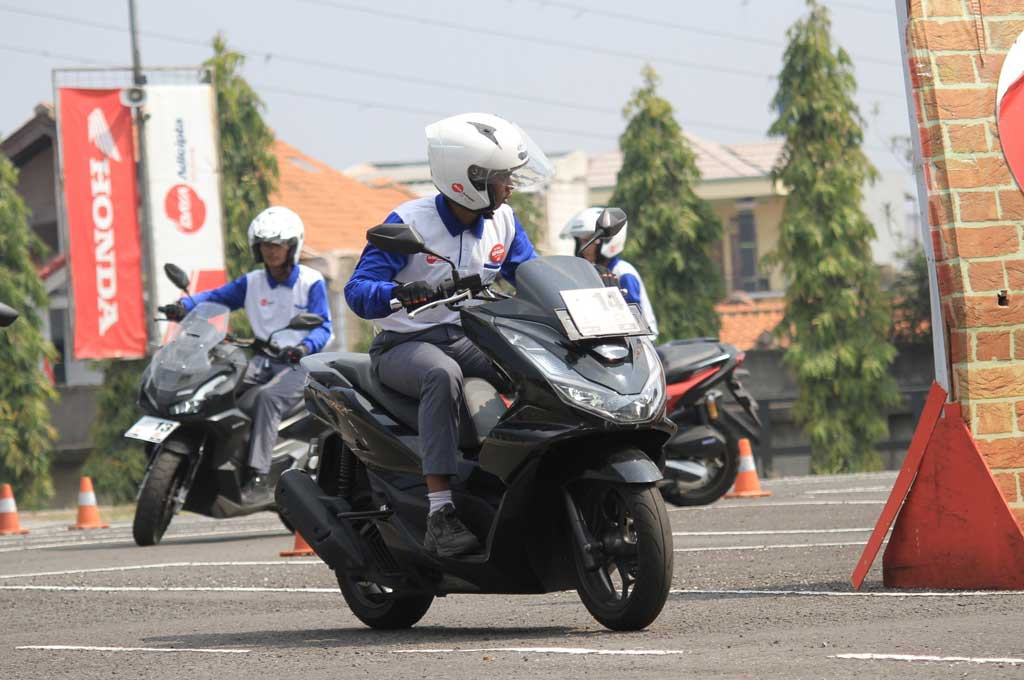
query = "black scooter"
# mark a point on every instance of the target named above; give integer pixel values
(199, 415)
(713, 411)
(557, 478)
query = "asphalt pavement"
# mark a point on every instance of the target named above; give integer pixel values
(761, 589)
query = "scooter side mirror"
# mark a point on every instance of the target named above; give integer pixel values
(177, 276)
(396, 238)
(611, 221)
(8, 315)
(306, 321)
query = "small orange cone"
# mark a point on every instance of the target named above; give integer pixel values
(88, 513)
(9, 513)
(301, 548)
(747, 485)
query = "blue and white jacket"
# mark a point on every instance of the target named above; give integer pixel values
(629, 279)
(488, 248)
(271, 305)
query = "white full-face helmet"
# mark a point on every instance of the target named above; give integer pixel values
(471, 151)
(277, 224)
(583, 226)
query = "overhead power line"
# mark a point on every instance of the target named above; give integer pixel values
(560, 44)
(686, 28)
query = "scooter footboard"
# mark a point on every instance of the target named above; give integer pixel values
(314, 516)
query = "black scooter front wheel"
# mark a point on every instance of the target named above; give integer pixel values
(155, 508)
(382, 608)
(633, 551)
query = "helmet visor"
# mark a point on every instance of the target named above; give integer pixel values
(535, 169)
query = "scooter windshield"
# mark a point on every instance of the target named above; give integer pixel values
(186, 359)
(540, 281)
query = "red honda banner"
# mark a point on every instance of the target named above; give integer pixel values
(101, 200)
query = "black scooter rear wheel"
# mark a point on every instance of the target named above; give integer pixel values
(155, 508)
(629, 588)
(380, 608)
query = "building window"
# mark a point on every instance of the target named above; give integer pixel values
(743, 242)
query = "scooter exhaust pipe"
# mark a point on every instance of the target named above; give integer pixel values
(315, 517)
(687, 474)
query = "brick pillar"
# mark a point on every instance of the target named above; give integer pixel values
(956, 49)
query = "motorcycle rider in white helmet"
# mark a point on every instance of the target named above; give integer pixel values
(606, 253)
(476, 160)
(271, 296)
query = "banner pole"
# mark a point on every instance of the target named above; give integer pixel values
(145, 221)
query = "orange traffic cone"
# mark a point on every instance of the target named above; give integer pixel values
(88, 513)
(747, 485)
(9, 513)
(301, 548)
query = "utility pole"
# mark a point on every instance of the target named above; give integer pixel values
(146, 223)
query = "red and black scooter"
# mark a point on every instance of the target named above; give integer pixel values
(713, 412)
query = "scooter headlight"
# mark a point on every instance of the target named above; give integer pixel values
(576, 391)
(195, 402)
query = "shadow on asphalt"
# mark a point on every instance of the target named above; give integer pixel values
(366, 637)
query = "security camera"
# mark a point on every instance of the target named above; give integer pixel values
(133, 96)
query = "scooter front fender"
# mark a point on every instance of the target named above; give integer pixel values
(626, 466)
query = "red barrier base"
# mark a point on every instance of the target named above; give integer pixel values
(953, 528)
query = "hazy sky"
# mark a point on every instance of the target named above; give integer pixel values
(353, 80)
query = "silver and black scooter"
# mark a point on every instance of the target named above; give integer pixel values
(199, 417)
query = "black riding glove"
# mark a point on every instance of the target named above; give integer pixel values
(414, 294)
(294, 353)
(175, 311)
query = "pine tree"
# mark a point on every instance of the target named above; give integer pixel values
(248, 166)
(248, 177)
(26, 396)
(670, 228)
(836, 318)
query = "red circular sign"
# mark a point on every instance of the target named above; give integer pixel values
(497, 253)
(184, 207)
(457, 188)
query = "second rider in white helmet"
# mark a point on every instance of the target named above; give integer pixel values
(271, 296)
(476, 160)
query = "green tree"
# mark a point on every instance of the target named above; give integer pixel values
(911, 298)
(836, 317)
(248, 177)
(26, 396)
(671, 229)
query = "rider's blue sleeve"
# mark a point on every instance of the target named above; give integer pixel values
(372, 284)
(632, 286)
(520, 251)
(231, 295)
(316, 303)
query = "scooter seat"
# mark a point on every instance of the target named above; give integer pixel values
(481, 408)
(682, 358)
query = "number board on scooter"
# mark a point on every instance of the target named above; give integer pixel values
(150, 429)
(598, 312)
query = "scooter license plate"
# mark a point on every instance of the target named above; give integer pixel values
(150, 429)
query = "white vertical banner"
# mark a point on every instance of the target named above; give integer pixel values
(183, 168)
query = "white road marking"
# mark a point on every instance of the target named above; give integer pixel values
(84, 648)
(164, 565)
(854, 489)
(772, 532)
(768, 547)
(127, 539)
(169, 589)
(820, 479)
(783, 504)
(545, 650)
(850, 593)
(944, 659)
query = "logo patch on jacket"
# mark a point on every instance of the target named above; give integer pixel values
(498, 253)
(431, 259)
